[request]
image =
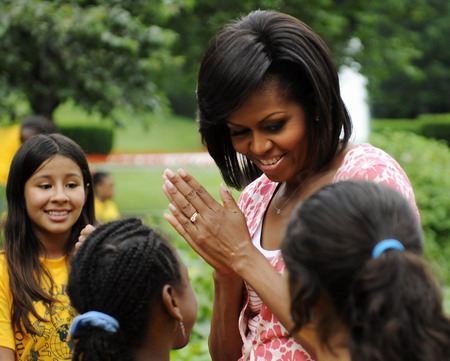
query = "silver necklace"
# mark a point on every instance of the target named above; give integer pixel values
(278, 210)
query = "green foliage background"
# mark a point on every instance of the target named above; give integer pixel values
(103, 55)
(427, 164)
(423, 86)
(133, 55)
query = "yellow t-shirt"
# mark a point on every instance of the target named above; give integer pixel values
(9, 143)
(52, 341)
(106, 211)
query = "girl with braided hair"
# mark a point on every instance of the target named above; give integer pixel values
(49, 203)
(133, 295)
(360, 289)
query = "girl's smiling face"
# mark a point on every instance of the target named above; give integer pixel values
(271, 131)
(54, 198)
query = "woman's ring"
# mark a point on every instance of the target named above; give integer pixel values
(194, 217)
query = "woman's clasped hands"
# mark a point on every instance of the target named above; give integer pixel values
(217, 233)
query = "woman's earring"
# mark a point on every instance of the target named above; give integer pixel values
(183, 329)
(316, 118)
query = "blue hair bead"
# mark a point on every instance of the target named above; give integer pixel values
(386, 244)
(97, 319)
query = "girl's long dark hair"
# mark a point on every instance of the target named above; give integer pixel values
(391, 305)
(22, 246)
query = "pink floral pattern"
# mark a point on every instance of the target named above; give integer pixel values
(264, 338)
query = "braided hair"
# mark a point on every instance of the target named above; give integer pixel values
(120, 270)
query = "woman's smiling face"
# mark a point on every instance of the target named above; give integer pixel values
(271, 131)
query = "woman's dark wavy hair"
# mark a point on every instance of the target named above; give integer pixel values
(267, 47)
(392, 305)
(119, 270)
(22, 246)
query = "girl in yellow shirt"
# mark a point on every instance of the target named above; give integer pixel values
(49, 202)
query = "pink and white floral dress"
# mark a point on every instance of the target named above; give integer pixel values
(264, 338)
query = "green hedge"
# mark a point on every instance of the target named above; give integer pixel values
(92, 138)
(435, 126)
(437, 130)
(410, 125)
(426, 161)
(441, 118)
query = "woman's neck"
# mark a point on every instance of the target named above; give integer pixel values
(312, 182)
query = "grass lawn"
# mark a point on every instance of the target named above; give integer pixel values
(138, 189)
(157, 132)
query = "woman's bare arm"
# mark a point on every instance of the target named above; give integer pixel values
(225, 341)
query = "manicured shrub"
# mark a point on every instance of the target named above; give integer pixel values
(410, 125)
(435, 126)
(92, 138)
(441, 118)
(426, 161)
(437, 130)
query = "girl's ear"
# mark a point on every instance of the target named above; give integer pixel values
(171, 302)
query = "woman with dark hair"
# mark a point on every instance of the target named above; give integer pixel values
(133, 295)
(360, 289)
(271, 116)
(49, 203)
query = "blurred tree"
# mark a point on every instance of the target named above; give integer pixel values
(102, 54)
(110, 54)
(407, 94)
(368, 34)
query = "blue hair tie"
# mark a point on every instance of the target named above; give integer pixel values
(386, 244)
(94, 318)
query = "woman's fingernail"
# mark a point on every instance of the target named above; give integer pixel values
(182, 172)
(169, 173)
(169, 185)
(172, 207)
